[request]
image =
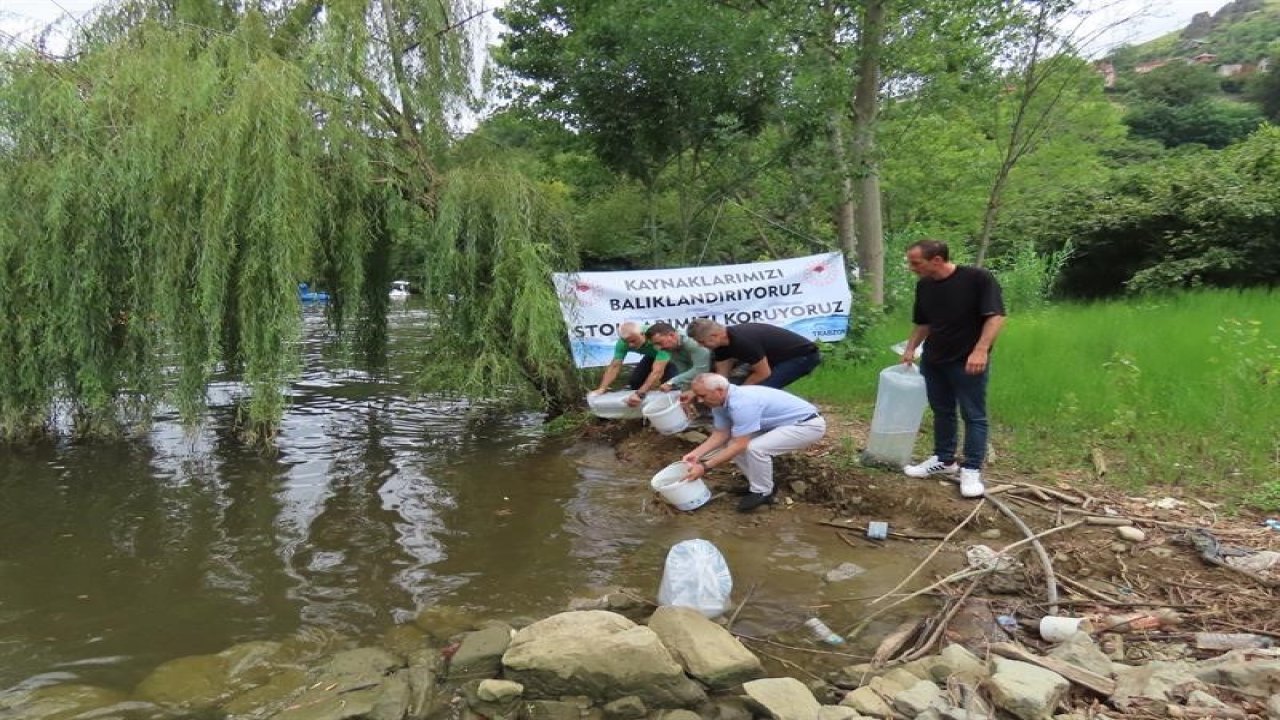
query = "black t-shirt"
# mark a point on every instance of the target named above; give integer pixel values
(749, 342)
(955, 310)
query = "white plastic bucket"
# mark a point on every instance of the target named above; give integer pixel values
(612, 405)
(669, 483)
(666, 414)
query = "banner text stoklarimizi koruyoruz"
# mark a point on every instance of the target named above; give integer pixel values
(808, 295)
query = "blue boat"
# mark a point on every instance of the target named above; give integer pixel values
(306, 294)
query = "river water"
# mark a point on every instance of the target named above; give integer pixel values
(115, 557)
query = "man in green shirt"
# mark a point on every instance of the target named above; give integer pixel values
(654, 367)
(690, 358)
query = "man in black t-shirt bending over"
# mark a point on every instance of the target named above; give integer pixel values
(777, 356)
(960, 310)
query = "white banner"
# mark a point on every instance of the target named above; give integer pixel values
(808, 295)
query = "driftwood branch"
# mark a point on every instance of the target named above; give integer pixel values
(750, 591)
(894, 642)
(959, 575)
(1197, 713)
(931, 555)
(908, 534)
(1051, 582)
(925, 647)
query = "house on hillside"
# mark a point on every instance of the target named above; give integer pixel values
(1204, 59)
(1233, 69)
(1264, 64)
(1148, 66)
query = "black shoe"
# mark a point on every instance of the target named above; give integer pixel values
(751, 501)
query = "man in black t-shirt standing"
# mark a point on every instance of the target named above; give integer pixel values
(777, 356)
(960, 310)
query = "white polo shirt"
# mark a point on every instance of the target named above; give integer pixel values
(749, 409)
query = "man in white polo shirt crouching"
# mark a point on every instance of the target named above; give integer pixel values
(752, 423)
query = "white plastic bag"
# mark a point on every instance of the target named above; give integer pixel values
(696, 576)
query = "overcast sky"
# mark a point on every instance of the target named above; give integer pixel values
(1154, 17)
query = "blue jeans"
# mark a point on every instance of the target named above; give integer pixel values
(948, 385)
(641, 372)
(789, 371)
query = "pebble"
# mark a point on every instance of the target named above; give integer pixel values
(1132, 534)
(992, 534)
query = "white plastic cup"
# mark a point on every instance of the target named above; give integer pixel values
(1056, 628)
(877, 530)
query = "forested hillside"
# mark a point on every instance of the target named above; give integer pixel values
(1240, 32)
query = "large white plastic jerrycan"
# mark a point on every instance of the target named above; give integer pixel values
(900, 404)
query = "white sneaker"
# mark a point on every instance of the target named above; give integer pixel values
(931, 466)
(971, 483)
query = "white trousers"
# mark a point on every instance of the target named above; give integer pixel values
(756, 461)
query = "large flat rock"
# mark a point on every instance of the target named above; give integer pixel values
(600, 655)
(706, 651)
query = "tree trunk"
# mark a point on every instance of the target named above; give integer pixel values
(866, 103)
(992, 213)
(1026, 129)
(845, 232)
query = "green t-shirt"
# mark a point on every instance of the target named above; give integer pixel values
(648, 349)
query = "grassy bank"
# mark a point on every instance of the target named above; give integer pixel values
(1179, 390)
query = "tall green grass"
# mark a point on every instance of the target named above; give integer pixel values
(1174, 390)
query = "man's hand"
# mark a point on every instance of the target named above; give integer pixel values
(909, 357)
(686, 397)
(634, 399)
(689, 457)
(665, 387)
(597, 391)
(696, 470)
(977, 362)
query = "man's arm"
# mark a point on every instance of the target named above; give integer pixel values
(759, 372)
(654, 378)
(980, 354)
(724, 367)
(731, 449)
(718, 437)
(701, 358)
(610, 374)
(918, 334)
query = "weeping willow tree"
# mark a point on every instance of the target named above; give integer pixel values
(492, 238)
(163, 192)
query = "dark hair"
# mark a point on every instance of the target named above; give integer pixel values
(701, 328)
(658, 328)
(930, 249)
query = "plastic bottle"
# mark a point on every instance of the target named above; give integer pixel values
(900, 404)
(1230, 641)
(1272, 523)
(822, 632)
